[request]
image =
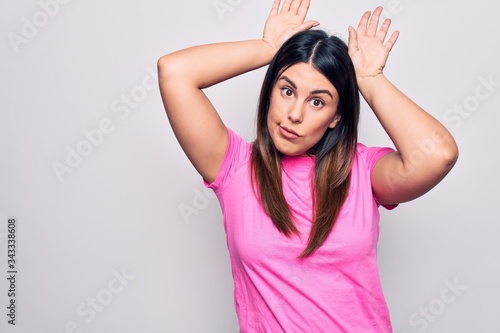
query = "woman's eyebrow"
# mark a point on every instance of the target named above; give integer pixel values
(289, 81)
(314, 92)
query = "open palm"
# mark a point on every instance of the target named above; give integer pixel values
(367, 46)
(283, 24)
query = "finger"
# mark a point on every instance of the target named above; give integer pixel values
(372, 27)
(286, 6)
(294, 8)
(306, 26)
(276, 7)
(363, 23)
(384, 29)
(392, 40)
(352, 44)
(304, 8)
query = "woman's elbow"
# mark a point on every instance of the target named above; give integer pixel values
(166, 67)
(448, 154)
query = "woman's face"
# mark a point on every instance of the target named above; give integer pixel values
(303, 106)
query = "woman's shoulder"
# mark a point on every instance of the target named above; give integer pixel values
(238, 156)
(369, 155)
(237, 144)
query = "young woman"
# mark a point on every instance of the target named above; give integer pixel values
(300, 203)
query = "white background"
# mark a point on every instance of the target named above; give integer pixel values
(135, 207)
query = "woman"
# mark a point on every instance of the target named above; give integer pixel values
(301, 202)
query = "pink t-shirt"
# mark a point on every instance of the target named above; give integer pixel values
(337, 288)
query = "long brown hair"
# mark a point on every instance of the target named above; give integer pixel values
(334, 152)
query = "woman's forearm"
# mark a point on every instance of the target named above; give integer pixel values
(206, 65)
(413, 131)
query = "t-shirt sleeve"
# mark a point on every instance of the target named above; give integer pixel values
(370, 157)
(237, 154)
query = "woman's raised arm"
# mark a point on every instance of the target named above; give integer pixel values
(426, 151)
(183, 74)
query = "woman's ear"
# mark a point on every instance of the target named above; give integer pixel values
(335, 121)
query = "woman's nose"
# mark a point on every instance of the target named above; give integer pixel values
(296, 113)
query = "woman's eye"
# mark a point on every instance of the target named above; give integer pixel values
(317, 103)
(287, 92)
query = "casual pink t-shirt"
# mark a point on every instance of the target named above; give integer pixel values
(337, 288)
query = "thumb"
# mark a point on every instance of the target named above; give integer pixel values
(306, 26)
(352, 44)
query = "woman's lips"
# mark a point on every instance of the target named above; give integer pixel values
(288, 133)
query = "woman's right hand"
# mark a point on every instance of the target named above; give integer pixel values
(184, 74)
(283, 24)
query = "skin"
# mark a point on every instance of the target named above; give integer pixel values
(396, 178)
(303, 106)
(399, 176)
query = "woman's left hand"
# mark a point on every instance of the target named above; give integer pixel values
(367, 48)
(398, 177)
